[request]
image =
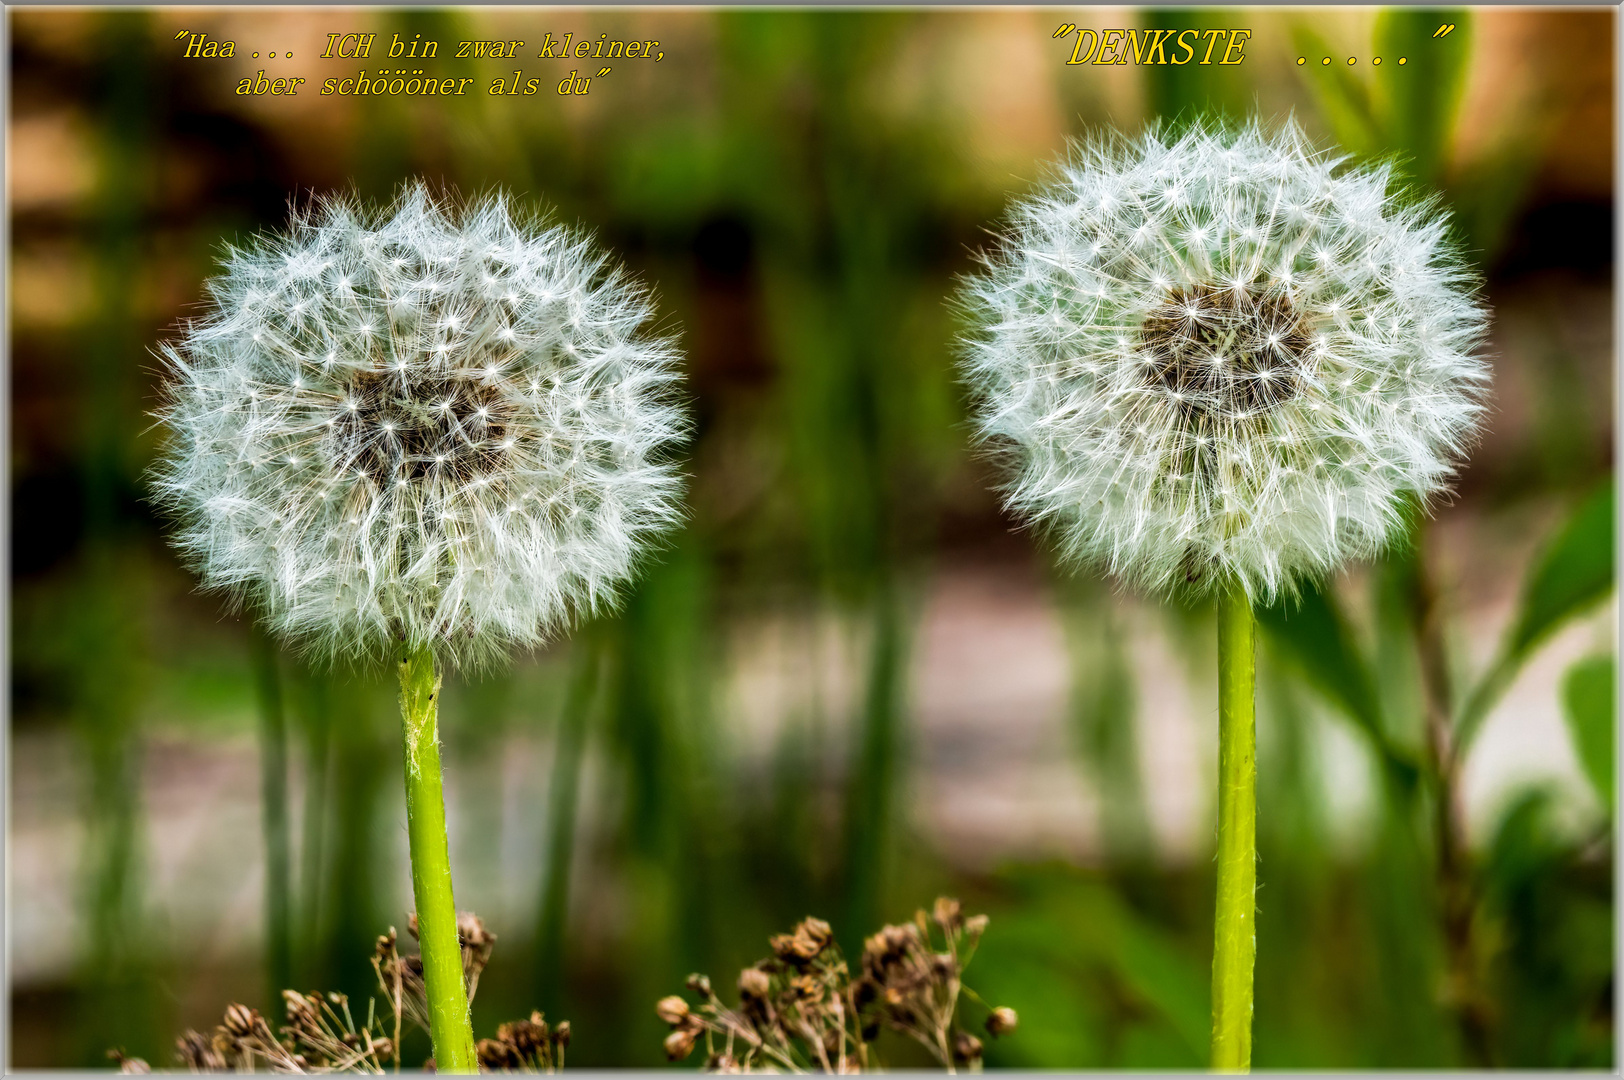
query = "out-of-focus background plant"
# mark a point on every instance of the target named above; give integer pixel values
(848, 682)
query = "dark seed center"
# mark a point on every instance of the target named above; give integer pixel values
(1224, 353)
(394, 427)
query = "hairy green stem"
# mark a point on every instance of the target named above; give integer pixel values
(450, 1025)
(1235, 931)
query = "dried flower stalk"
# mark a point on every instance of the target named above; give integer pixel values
(800, 1010)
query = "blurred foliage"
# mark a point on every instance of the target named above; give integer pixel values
(803, 217)
(1574, 572)
(1591, 702)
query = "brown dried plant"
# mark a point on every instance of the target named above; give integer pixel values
(322, 1036)
(801, 1010)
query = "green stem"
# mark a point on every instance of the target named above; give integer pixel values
(450, 1026)
(1235, 933)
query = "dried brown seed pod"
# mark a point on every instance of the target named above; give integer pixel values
(302, 1010)
(811, 937)
(127, 1064)
(966, 1047)
(975, 925)
(240, 1020)
(807, 988)
(561, 1032)
(699, 984)
(495, 1054)
(526, 1036)
(754, 983)
(783, 946)
(1002, 1021)
(197, 1052)
(948, 913)
(470, 930)
(891, 944)
(673, 1009)
(679, 1044)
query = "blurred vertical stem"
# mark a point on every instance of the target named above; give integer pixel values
(317, 716)
(450, 1025)
(1455, 892)
(1235, 932)
(870, 788)
(562, 800)
(120, 1005)
(1103, 719)
(273, 757)
(350, 913)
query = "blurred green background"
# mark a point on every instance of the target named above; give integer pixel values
(849, 683)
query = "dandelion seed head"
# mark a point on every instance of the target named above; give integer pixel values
(408, 486)
(1284, 389)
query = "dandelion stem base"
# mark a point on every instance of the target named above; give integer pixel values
(1235, 931)
(450, 1025)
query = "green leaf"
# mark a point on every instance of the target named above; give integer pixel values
(1340, 95)
(1316, 635)
(1589, 702)
(1575, 571)
(1183, 91)
(1415, 103)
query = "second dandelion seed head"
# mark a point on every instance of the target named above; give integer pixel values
(420, 425)
(1223, 358)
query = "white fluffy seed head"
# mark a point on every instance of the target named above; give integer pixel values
(422, 424)
(1223, 358)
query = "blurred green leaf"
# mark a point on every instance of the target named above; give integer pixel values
(1590, 705)
(1316, 635)
(1342, 97)
(1186, 91)
(1164, 974)
(1524, 843)
(1415, 104)
(1103, 716)
(1575, 571)
(1073, 940)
